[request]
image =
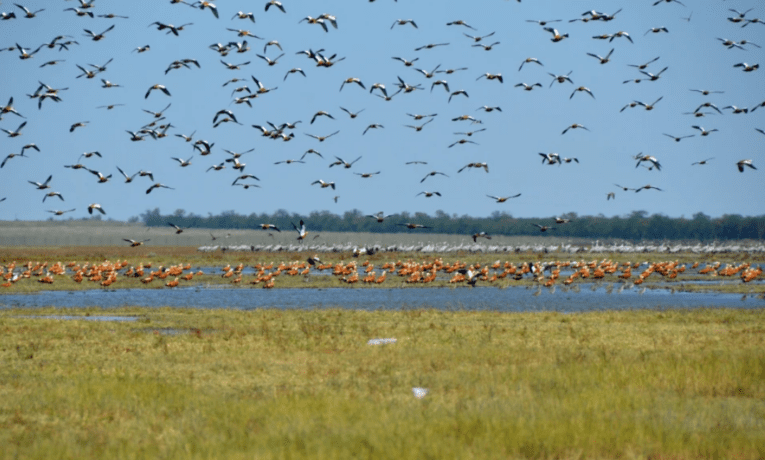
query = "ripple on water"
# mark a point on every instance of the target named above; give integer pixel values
(599, 297)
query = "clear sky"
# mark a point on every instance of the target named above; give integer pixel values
(530, 121)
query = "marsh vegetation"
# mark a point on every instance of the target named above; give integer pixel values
(305, 384)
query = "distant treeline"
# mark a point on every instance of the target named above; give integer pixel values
(636, 226)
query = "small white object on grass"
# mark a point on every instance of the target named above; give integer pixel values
(381, 341)
(419, 393)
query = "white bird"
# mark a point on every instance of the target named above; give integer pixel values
(743, 163)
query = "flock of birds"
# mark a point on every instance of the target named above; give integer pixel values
(408, 272)
(248, 90)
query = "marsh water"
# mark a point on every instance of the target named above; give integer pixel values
(593, 297)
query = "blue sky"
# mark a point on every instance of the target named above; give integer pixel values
(530, 121)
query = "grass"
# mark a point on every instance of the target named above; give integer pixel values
(304, 384)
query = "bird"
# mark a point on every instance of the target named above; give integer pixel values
(737, 109)
(650, 159)
(157, 185)
(550, 158)
(621, 33)
(462, 141)
(178, 230)
(647, 187)
(51, 195)
(133, 243)
(678, 139)
(428, 194)
(406, 62)
(413, 226)
(703, 131)
(302, 232)
(270, 227)
(649, 106)
(502, 199)
(574, 126)
(419, 127)
(230, 66)
(652, 77)
(403, 22)
(556, 35)
(668, 1)
(432, 173)
(656, 30)
(183, 163)
(486, 47)
(101, 178)
(380, 217)
(27, 13)
(560, 78)
(10, 156)
(528, 87)
(275, 3)
(15, 133)
(345, 164)
(746, 67)
(271, 62)
(159, 87)
(128, 179)
(543, 228)
(321, 113)
(645, 65)
(560, 220)
(97, 37)
(60, 213)
(741, 164)
(603, 60)
(78, 125)
(294, 70)
(582, 88)
(324, 184)
(480, 235)
(44, 185)
(430, 46)
(478, 38)
(443, 83)
(89, 154)
(243, 15)
(475, 165)
(702, 162)
(457, 93)
(459, 22)
(205, 4)
(322, 138)
(97, 207)
(491, 76)
(528, 60)
(372, 126)
(351, 114)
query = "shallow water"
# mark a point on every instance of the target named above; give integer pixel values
(595, 297)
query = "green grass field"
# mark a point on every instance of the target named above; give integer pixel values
(305, 384)
(105, 233)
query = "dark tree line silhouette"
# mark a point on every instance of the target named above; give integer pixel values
(638, 225)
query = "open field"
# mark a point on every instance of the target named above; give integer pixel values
(95, 233)
(305, 384)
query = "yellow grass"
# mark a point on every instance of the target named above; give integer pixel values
(305, 384)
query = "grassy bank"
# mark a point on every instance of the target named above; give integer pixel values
(305, 384)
